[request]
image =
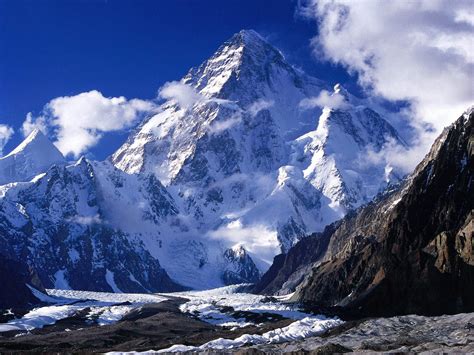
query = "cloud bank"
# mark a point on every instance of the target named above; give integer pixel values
(258, 106)
(31, 123)
(80, 121)
(220, 126)
(6, 133)
(419, 51)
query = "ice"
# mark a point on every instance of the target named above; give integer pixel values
(306, 327)
(207, 305)
(105, 308)
(212, 306)
(39, 317)
(107, 296)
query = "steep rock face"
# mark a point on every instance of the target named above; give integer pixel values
(241, 267)
(32, 157)
(411, 251)
(289, 270)
(245, 157)
(15, 277)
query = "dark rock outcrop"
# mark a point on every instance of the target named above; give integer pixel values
(409, 252)
(288, 270)
(14, 278)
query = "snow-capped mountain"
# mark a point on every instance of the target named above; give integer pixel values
(58, 225)
(33, 156)
(230, 172)
(245, 160)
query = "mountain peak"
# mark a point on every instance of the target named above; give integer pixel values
(245, 63)
(36, 137)
(253, 45)
(340, 90)
(32, 156)
(247, 37)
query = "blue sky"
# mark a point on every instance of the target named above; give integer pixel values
(130, 48)
(416, 57)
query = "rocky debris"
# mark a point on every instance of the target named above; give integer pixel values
(402, 334)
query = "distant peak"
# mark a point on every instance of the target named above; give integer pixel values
(35, 136)
(37, 141)
(339, 89)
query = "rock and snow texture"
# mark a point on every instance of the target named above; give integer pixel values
(333, 161)
(231, 171)
(61, 223)
(32, 157)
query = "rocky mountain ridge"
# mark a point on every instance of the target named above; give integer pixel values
(409, 252)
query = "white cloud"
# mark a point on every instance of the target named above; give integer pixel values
(396, 156)
(256, 239)
(253, 109)
(258, 106)
(86, 220)
(325, 99)
(79, 121)
(6, 133)
(219, 126)
(184, 95)
(31, 123)
(416, 51)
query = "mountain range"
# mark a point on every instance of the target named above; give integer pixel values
(246, 162)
